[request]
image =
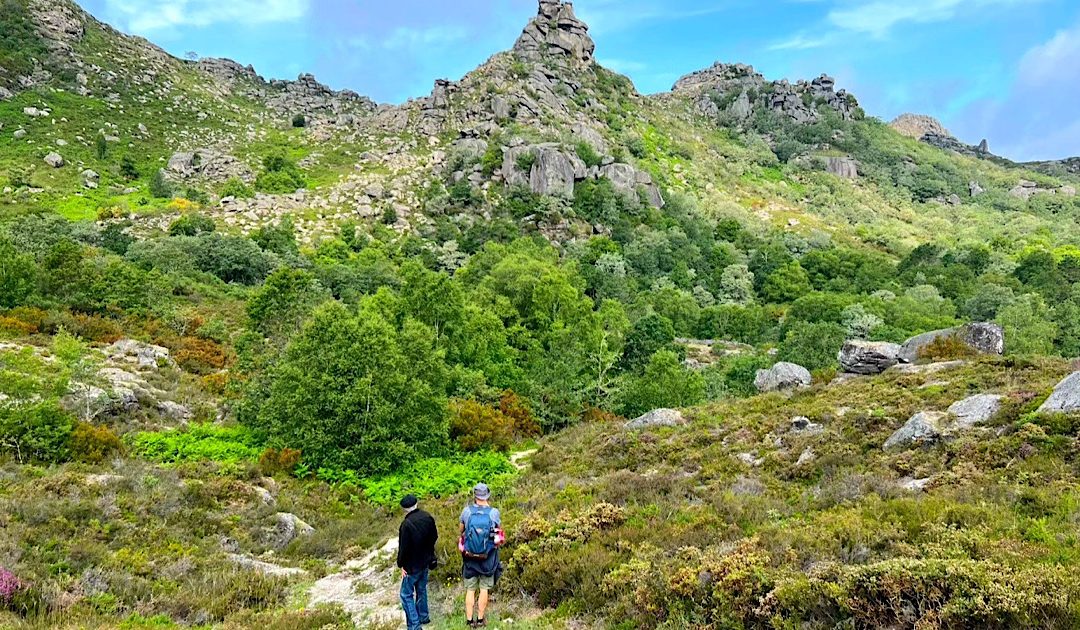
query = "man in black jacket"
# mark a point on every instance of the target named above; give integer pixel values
(416, 554)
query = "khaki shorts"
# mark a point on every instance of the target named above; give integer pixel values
(481, 582)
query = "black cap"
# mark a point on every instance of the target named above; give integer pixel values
(409, 502)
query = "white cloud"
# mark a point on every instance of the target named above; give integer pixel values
(405, 37)
(878, 17)
(1054, 61)
(150, 16)
(617, 15)
(623, 66)
(801, 41)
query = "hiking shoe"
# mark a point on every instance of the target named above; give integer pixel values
(480, 623)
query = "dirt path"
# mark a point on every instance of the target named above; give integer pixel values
(366, 588)
(520, 460)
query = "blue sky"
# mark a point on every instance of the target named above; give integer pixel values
(1005, 70)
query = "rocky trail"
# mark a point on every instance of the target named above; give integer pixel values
(366, 588)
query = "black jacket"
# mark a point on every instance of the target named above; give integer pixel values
(416, 542)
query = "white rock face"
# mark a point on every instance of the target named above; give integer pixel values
(868, 357)
(1066, 396)
(922, 428)
(975, 410)
(657, 418)
(782, 377)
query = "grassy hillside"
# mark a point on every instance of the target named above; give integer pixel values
(319, 306)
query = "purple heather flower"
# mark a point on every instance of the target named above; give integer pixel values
(9, 586)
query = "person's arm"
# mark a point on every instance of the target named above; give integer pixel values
(403, 542)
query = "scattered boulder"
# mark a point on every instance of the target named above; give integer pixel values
(266, 568)
(142, 354)
(981, 338)
(54, 159)
(802, 425)
(924, 427)
(975, 189)
(19, 134)
(1065, 398)
(174, 411)
(90, 179)
(808, 456)
(975, 410)
(868, 357)
(844, 167)
(782, 377)
(915, 485)
(657, 418)
(289, 527)
(750, 459)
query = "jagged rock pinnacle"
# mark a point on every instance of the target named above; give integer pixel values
(556, 34)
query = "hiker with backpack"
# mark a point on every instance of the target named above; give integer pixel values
(481, 537)
(416, 557)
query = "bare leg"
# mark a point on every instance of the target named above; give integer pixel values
(483, 603)
(470, 598)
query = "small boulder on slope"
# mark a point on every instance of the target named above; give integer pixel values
(1066, 396)
(782, 377)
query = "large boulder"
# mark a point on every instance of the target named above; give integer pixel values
(981, 338)
(782, 377)
(844, 167)
(54, 160)
(143, 355)
(657, 418)
(287, 528)
(556, 35)
(553, 172)
(975, 410)
(924, 427)
(1066, 396)
(868, 357)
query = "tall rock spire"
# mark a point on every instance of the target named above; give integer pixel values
(556, 34)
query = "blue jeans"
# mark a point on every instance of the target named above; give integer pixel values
(414, 599)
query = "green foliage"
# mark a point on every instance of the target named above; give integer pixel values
(279, 176)
(648, 335)
(813, 345)
(235, 187)
(477, 427)
(279, 239)
(101, 147)
(786, 284)
(441, 477)
(285, 300)
(198, 442)
(352, 392)
(664, 383)
(159, 186)
(588, 154)
(231, 258)
(128, 170)
(18, 276)
(192, 224)
(1029, 327)
(299, 121)
(20, 43)
(525, 161)
(39, 432)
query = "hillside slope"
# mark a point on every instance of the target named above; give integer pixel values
(240, 318)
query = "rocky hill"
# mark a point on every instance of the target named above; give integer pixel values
(736, 355)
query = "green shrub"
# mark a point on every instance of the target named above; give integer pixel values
(588, 154)
(299, 121)
(159, 186)
(279, 176)
(128, 170)
(353, 393)
(441, 477)
(477, 427)
(198, 442)
(94, 443)
(192, 224)
(812, 345)
(36, 433)
(235, 187)
(525, 161)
